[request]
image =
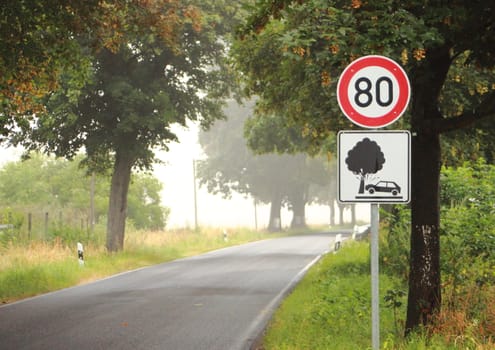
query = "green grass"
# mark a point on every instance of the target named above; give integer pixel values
(32, 268)
(331, 307)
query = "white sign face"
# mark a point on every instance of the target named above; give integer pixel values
(374, 167)
(373, 91)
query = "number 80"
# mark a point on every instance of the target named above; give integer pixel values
(366, 91)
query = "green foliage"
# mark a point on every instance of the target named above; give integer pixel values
(394, 252)
(62, 188)
(467, 230)
(394, 300)
(11, 221)
(39, 40)
(167, 72)
(168, 66)
(144, 208)
(330, 309)
(292, 53)
(67, 234)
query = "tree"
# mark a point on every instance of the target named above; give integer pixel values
(145, 209)
(44, 41)
(364, 159)
(233, 167)
(170, 68)
(58, 184)
(270, 134)
(291, 53)
(278, 179)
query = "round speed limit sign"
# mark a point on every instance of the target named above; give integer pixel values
(373, 91)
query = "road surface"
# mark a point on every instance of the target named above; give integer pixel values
(221, 300)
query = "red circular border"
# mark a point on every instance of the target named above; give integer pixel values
(364, 62)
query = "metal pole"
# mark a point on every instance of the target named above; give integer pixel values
(92, 202)
(195, 197)
(255, 215)
(375, 294)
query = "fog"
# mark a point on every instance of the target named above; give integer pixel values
(213, 210)
(176, 175)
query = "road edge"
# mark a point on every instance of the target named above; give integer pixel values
(254, 335)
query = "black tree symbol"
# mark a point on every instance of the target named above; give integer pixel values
(365, 158)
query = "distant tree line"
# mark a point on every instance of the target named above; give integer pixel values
(47, 190)
(263, 158)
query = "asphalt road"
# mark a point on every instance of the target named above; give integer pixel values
(220, 301)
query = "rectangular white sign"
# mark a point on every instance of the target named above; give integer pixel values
(374, 166)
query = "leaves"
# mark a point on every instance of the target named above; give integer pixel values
(57, 184)
(288, 62)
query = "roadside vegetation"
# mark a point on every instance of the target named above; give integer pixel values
(29, 268)
(331, 307)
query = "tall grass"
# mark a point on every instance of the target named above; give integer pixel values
(331, 307)
(31, 268)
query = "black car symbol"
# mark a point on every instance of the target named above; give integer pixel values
(384, 186)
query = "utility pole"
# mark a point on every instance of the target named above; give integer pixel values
(255, 215)
(92, 203)
(195, 197)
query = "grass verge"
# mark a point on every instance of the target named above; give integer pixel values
(331, 307)
(39, 267)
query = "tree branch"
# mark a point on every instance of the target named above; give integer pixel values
(486, 109)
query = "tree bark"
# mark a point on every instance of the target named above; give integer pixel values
(117, 208)
(361, 185)
(424, 298)
(298, 203)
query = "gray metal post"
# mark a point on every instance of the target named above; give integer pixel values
(195, 197)
(375, 294)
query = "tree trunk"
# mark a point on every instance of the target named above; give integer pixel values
(298, 203)
(424, 298)
(353, 214)
(275, 224)
(117, 208)
(331, 207)
(361, 185)
(341, 213)
(424, 278)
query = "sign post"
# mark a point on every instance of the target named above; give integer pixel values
(375, 292)
(373, 92)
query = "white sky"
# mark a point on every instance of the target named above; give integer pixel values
(213, 211)
(178, 194)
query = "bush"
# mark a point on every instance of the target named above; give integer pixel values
(468, 224)
(13, 221)
(467, 255)
(394, 253)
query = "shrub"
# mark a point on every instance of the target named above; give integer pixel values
(13, 220)
(394, 252)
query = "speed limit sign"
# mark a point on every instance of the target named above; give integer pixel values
(373, 91)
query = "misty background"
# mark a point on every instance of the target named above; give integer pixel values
(213, 210)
